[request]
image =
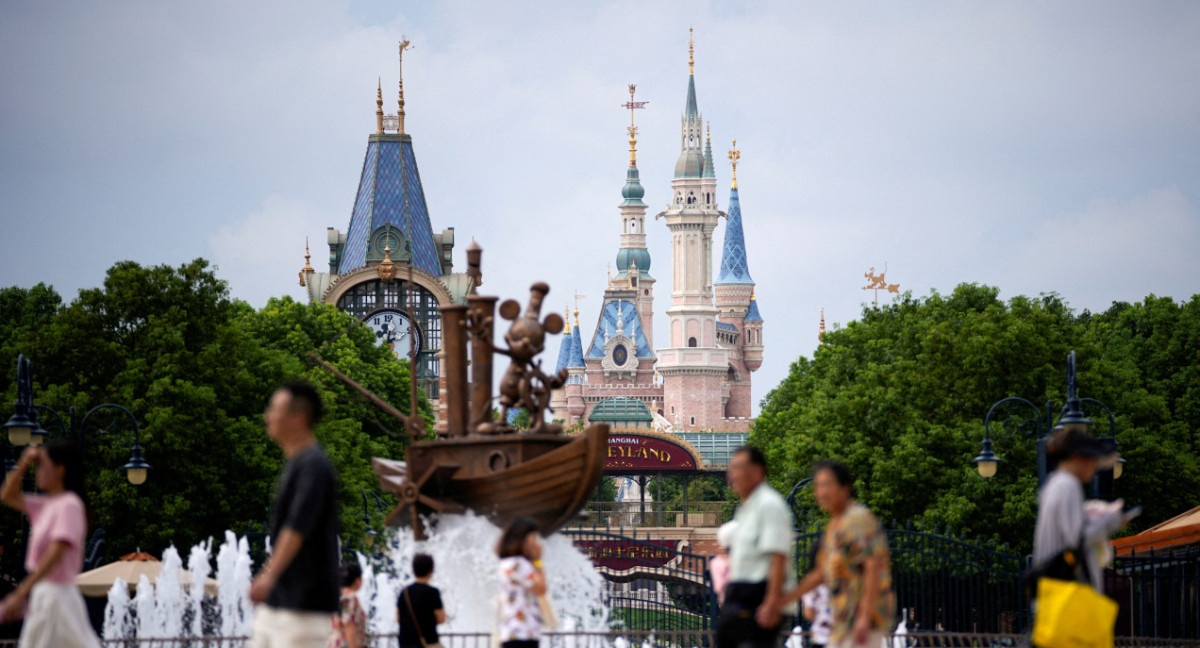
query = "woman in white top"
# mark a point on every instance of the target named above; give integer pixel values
(521, 581)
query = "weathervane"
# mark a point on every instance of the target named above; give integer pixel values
(404, 45)
(879, 282)
(632, 105)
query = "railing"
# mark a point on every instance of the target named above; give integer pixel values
(1159, 593)
(633, 515)
(660, 639)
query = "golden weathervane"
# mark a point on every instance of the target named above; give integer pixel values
(632, 105)
(734, 156)
(879, 282)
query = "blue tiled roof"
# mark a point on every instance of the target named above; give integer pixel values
(734, 268)
(576, 349)
(380, 201)
(752, 312)
(564, 353)
(691, 110)
(726, 326)
(632, 328)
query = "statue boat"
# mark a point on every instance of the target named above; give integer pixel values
(478, 462)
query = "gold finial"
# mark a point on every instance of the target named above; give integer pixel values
(708, 130)
(387, 269)
(567, 320)
(821, 335)
(379, 106)
(578, 296)
(404, 45)
(691, 52)
(632, 106)
(308, 269)
(734, 156)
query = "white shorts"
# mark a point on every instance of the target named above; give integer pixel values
(57, 618)
(276, 628)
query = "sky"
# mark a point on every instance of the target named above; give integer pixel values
(1036, 147)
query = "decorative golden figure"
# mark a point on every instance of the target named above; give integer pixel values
(734, 156)
(567, 320)
(877, 282)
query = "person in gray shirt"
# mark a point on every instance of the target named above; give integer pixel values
(1062, 523)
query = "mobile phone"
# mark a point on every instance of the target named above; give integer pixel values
(1132, 512)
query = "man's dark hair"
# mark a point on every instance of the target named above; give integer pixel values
(306, 399)
(350, 573)
(512, 542)
(67, 453)
(838, 469)
(422, 565)
(755, 456)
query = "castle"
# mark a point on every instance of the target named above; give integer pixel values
(698, 382)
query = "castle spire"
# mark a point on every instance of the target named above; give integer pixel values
(404, 45)
(734, 266)
(307, 269)
(691, 51)
(379, 106)
(691, 110)
(632, 106)
(709, 171)
(821, 334)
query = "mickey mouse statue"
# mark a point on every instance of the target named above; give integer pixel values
(524, 385)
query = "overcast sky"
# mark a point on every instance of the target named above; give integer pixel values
(1036, 147)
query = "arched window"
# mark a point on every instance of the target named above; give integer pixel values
(691, 342)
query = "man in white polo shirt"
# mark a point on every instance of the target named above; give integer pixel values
(750, 615)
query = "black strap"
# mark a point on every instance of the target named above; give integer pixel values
(413, 616)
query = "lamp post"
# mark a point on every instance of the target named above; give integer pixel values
(368, 538)
(1007, 412)
(23, 427)
(791, 500)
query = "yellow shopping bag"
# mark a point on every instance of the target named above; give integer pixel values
(1071, 614)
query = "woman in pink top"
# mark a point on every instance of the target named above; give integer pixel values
(55, 615)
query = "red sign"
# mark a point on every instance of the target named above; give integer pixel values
(622, 555)
(629, 451)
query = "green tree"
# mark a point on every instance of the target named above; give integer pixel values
(900, 396)
(196, 368)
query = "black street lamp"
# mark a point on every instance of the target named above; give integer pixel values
(791, 501)
(23, 428)
(1007, 412)
(368, 538)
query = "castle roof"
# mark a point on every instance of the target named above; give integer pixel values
(621, 409)
(752, 314)
(576, 349)
(620, 315)
(734, 267)
(564, 352)
(390, 194)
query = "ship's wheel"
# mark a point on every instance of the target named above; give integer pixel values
(414, 503)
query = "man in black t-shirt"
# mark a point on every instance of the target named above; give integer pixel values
(298, 587)
(423, 601)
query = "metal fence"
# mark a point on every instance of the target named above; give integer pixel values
(1159, 593)
(661, 639)
(945, 584)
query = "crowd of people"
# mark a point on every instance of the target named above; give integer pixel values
(303, 600)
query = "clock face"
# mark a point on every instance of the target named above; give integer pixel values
(620, 354)
(395, 330)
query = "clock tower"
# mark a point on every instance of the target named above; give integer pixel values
(389, 268)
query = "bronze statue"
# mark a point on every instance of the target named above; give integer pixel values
(481, 463)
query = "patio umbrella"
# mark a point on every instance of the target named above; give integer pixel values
(130, 569)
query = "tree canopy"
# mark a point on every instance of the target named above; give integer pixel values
(900, 396)
(196, 369)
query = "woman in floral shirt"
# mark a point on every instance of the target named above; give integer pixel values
(522, 581)
(853, 562)
(350, 623)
